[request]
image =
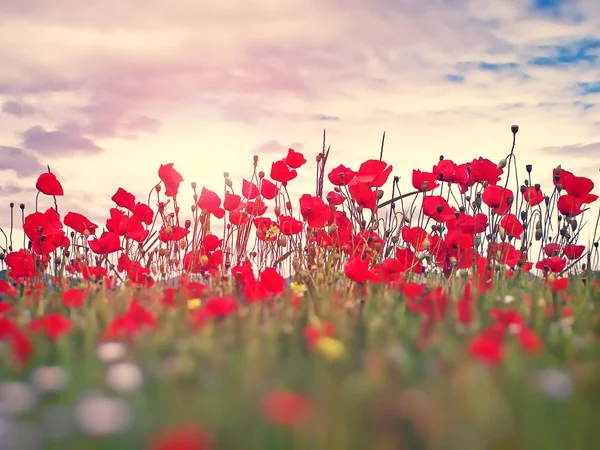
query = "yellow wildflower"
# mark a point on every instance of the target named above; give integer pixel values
(298, 288)
(194, 303)
(330, 348)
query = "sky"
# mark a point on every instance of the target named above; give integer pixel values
(105, 92)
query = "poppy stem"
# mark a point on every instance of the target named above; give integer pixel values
(395, 199)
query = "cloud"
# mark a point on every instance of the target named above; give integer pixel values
(591, 150)
(326, 118)
(11, 189)
(276, 148)
(66, 140)
(22, 162)
(18, 109)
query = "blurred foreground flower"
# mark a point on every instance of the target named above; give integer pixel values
(331, 349)
(286, 409)
(185, 437)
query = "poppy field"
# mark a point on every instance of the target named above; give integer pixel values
(462, 314)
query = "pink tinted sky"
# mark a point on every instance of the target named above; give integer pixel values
(106, 91)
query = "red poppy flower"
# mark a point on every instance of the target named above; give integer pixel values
(143, 213)
(231, 202)
(124, 199)
(107, 243)
(183, 437)
(424, 181)
(210, 202)
(6, 288)
(498, 198)
(512, 226)
(21, 264)
(294, 159)
(341, 175)
(48, 184)
(272, 281)
(487, 349)
(73, 298)
(249, 190)
(314, 210)
(533, 195)
(53, 325)
(268, 190)
(373, 172)
(286, 409)
(171, 178)
(289, 225)
(365, 196)
(282, 173)
(573, 251)
(80, 223)
(570, 206)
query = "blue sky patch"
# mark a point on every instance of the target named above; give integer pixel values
(583, 51)
(557, 9)
(589, 88)
(497, 67)
(454, 78)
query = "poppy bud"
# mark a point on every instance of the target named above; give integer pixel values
(477, 240)
(502, 164)
(379, 194)
(182, 244)
(528, 168)
(441, 157)
(282, 240)
(502, 233)
(187, 224)
(426, 243)
(523, 189)
(204, 260)
(288, 206)
(360, 209)
(157, 188)
(153, 269)
(194, 185)
(255, 158)
(514, 129)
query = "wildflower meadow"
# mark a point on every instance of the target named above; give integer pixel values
(462, 314)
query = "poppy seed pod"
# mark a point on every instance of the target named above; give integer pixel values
(514, 129)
